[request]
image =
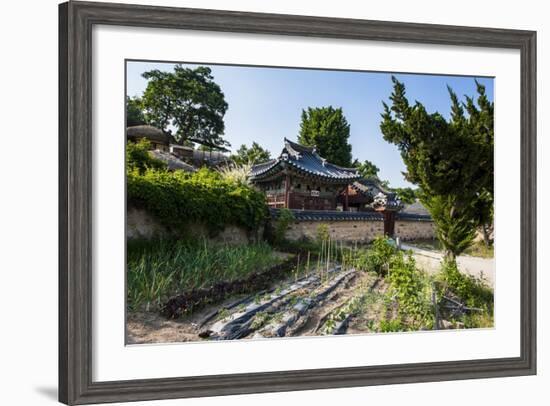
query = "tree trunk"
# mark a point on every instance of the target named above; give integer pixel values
(449, 256)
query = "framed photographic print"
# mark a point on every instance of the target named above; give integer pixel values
(260, 202)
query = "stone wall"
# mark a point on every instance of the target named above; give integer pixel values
(141, 225)
(413, 230)
(360, 231)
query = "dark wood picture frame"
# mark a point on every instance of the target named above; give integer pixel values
(76, 20)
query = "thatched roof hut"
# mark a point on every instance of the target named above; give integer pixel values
(172, 161)
(148, 132)
(416, 208)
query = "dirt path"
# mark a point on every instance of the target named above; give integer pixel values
(431, 262)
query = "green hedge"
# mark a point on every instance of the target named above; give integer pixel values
(138, 157)
(177, 198)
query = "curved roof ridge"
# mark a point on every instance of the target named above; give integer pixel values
(263, 167)
(375, 182)
(265, 163)
(345, 168)
(298, 147)
(305, 159)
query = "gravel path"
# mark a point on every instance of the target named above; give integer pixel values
(431, 262)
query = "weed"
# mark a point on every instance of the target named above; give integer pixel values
(224, 314)
(259, 320)
(158, 269)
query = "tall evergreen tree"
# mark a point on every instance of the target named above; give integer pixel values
(366, 168)
(451, 160)
(327, 129)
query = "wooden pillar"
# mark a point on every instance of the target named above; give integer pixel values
(389, 223)
(287, 191)
(346, 202)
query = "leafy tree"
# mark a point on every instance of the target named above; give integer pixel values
(370, 171)
(134, 112)
(451, 160)
(327, 129)
(205, 148)
(253, 155)
(405, 194)
(187, 104)
(367, 169)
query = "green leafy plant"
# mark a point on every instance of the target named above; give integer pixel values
(138, 157)
(251, 156)
(323, 234)
(375, 259)
(224, 314)
(284, 219)
(410, 287)
(260, 319)
(391, 326)
(178, 198)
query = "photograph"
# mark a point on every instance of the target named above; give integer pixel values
(266, 202)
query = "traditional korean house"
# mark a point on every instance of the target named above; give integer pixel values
(301, 179)
(362, 192)
(368, 195)
(317, 190)
(388, 205)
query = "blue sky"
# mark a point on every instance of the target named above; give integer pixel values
(265, 104)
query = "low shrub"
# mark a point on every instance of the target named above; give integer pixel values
(177, 198)
(391, 326)
(323, 234)
(284, 219)
(138, 157)
(412, 290)
(474, 292)
(376, 258)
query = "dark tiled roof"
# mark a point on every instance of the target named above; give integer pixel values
(305, 160)
(369, 186)
(413, 217)
(373, 188)
(415, 208)
(333, 215)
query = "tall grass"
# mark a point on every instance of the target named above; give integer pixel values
(239, 174)
(159, 269)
